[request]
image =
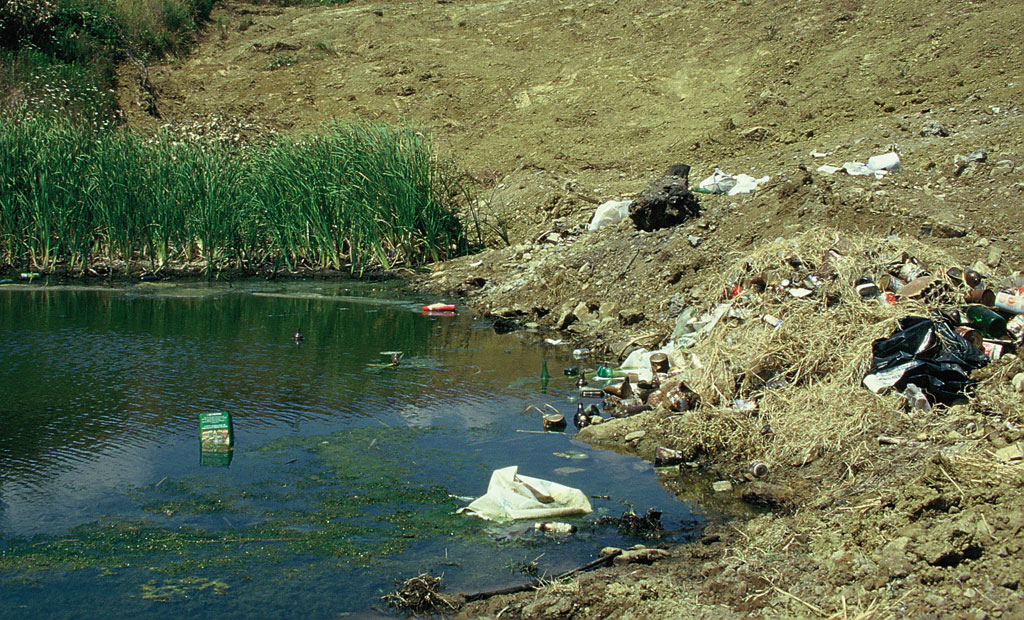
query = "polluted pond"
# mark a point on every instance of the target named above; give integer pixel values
(254, 449)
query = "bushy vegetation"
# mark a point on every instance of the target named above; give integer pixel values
(59, 57)
(348, 196)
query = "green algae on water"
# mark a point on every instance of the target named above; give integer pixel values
(351, 496)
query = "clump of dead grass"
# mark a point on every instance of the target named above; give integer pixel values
(420, 594)
(805, 374)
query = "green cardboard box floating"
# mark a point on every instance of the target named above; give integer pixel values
(215, 434)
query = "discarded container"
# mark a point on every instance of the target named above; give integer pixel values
(621, 390)
(554, 527)
(972, 278)
(554, 422)
(582, 380)
(972, 336)
(1009, 302)
(917, 287)
(982, 296)
(394, 357)
(986, 321)
(580, 353)
(591, 393)
(771, 320)
(603, 372)
(758, 469)
(659, 363)
(438, 307)
(1015, 327)
(995, 349)
(513, 496)
(866, 287)
(215, 432)
(580, 419)
(571, 371)
(889, 282)
(664, 457)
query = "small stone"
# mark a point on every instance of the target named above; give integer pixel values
(756, 134)
(994, 256)
(722, 486)
(694, 240)
(581, 311)
(1010, 453)
(934, 128)
(636, 435)
(979, 155)
(1018, 382)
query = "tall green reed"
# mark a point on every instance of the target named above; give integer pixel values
(348, 196)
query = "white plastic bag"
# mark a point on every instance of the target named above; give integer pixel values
(512, 496)
(718, 183)
(609, 213)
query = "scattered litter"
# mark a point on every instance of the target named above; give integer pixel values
(877, 166)
(554, 527)
(554, 341)
(512, 496)
(722, 486)
(216, 439)
(438, 307)
(916, 400)
(580, 353)
(610, 212)
(927, 353)
(723, 183)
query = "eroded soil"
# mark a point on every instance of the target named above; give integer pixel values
(553, 107)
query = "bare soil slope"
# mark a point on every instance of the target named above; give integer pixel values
(555, 106)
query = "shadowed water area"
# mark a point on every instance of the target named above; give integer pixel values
(345, 474)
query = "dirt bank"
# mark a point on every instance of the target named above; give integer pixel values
(553, 107)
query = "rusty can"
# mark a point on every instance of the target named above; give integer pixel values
(983, 296)
(972, 336)
(659, 363)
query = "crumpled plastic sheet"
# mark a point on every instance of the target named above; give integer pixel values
(724, 183)
(511, 496)
(927, 353)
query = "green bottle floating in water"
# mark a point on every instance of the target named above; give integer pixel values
(986, 321)
(544, 376)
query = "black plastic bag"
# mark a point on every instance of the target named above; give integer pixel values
(928, 353)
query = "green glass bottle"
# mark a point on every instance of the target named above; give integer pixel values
(986, 321)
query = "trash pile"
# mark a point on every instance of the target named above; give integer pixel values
(815, 341)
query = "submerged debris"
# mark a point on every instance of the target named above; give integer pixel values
(632, 524)
(419, 594)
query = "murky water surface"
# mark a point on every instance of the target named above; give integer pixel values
(345, 473)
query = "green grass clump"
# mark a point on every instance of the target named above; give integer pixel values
(348, 196)
(60, 56)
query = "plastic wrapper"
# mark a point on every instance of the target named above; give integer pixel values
(511, 496)
(927, 353)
